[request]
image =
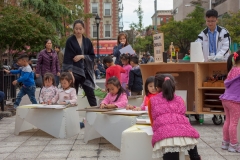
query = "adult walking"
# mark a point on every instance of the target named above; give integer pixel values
(79, 60)
(48, 62)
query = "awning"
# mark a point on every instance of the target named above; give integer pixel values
(105, 46)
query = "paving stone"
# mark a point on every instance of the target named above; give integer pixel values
(29, 149)
(53, 155)
(10, 144)
(108, 158)
(213, 157)
(4, 135)
(60, 147)
(35, 143)
(85, 147)
(61, 141)
(39, 138)
(225, 152)
(207, 151)
(83, 154)
(232, 157)
(79, 141)
(80, 136)
(14, 156)
(110, 153)
(7, 149)
(82, 159)
(108, 146)
(4, 155)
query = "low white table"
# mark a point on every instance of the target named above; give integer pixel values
(60, 123)
(108, 126)
(137, 144)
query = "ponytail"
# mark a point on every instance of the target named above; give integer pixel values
(166, 83)
(168, 88)
(229, 63)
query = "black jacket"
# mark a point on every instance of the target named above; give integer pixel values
(135, 83)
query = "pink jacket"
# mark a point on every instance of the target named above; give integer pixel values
(47, 94)
(168, 119)
(68, 96)
(120, 103)
(125, 76)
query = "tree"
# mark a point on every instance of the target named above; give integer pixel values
(20, 28)
(182, 33)
(52, 10)
(138, 26)
(232, 23)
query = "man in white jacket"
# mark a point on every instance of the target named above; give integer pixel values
(215, 39)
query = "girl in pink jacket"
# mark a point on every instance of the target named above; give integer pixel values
(67, 94)
(172, 132)
(116, 97)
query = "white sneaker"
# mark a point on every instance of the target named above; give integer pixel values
(234, 148)
(225, 145)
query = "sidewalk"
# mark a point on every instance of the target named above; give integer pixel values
(36, 144)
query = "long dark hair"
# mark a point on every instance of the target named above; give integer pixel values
(148, 80)
(119, 36)
(231, 59)
(166, 83)
(114, 81)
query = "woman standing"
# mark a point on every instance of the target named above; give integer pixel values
(48, 62)
(79, 60)
(122, 42)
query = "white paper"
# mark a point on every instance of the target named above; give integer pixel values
(147, 129)
(127, 49)
(196, 52)
(183, 94)
(52, 106)
(128, 111)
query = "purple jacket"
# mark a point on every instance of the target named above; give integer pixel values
(169, 120)
(44, 65)
(232, 91)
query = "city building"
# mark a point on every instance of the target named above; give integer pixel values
(110, 12)
(181, 8)
(163, 16)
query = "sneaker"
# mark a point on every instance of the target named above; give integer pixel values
(225, 145)
(234, 148)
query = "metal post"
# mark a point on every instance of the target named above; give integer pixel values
(155, 7)
(97, 43)
(210, 4)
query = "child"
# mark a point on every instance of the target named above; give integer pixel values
(125, 59)
(26, 78)
(150, 91)
(49, 90)
(67, 94)
(117, 97)
(230, 101)
(172, 131)
(112, 70)
(122, 42)
(135, 77)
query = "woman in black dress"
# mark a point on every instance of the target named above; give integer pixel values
(79, 60)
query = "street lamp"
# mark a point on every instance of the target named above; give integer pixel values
(97, 21)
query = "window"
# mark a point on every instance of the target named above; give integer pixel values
(95, 8)
(167, 19)
(107, 9)
(107, 30)
(94, 29)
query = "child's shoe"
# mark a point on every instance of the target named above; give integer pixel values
(234, 148)
(225, 145)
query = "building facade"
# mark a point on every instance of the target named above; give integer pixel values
(163, 16)
(108, 11)
(181, 8)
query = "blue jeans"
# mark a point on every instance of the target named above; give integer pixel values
(30, 91)
(56, 80)
(2, 95)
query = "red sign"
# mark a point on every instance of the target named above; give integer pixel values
(105, 46)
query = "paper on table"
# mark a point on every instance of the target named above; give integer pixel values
(127, 49)
(129, 111)
(46, 106)
(147, 129)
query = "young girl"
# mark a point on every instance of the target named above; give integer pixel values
(117, 97)
(230, 101)
(49, 89)
(67, 94)
(125, 59)
(172, 131)
(150, 91)
(122, 42)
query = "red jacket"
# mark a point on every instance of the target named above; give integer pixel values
(116, 71)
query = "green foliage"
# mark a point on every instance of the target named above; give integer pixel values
(182, 33)
(20, 28)
(51, 10)
(138, 26)
(232, 23)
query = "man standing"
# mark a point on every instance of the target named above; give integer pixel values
(215, 39)
(149, 58)
(60, 56)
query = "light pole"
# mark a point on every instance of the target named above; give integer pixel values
(97, 21)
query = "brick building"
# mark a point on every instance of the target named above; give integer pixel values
(163, 16)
